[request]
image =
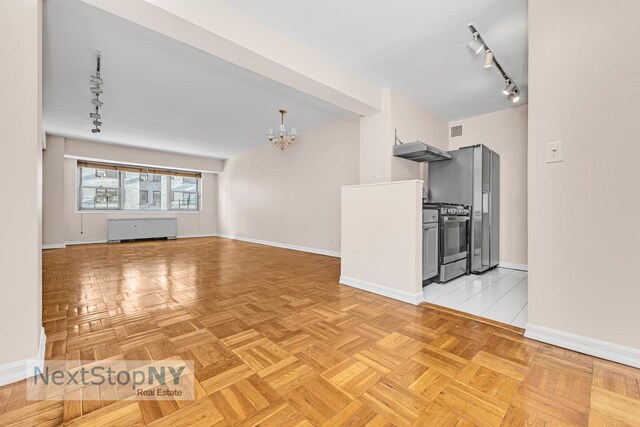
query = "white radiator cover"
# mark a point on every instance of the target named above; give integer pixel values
(144, 228)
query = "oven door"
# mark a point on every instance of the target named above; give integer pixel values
(454, 238)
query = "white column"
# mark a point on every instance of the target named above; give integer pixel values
(21, 166)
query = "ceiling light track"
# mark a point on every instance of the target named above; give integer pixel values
(476, 45)
(96, 83)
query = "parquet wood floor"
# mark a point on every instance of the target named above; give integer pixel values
(277, 341)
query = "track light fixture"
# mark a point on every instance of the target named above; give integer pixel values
(488, 59)
(509, 88)
(96, 89)
(476, 44)
(95, 80)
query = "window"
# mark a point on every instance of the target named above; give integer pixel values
(116, 187)
(184, 193)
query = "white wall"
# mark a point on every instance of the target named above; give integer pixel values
(292, 196)
(414, 122)
(377, 138)
(584, 240)
(64, 223)
(382, 238)
(505, 132)
(21, 159)
(53, 225)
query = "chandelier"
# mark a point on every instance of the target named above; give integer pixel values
(282, 139)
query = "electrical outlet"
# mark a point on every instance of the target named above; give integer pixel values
(555, 152)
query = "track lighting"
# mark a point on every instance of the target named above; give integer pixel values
(96, 89)
(488, 59)
(476, 44)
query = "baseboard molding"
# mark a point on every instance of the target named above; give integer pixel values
(54, 246)
(90, 242)
(403, 296)
(85, 242)
(283, 245)
(21, 369)
(513, 266)
(605, 350)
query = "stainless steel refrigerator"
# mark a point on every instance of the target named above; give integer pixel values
(472, 178)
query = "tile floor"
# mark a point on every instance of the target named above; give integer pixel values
(499, 294)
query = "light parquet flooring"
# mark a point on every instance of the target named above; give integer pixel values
(275, 340)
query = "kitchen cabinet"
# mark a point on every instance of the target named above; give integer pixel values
(429, 250)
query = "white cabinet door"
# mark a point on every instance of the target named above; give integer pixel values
(429, 251)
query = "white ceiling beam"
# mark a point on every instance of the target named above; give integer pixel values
(214, 27)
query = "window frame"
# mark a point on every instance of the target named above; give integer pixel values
(164, 207)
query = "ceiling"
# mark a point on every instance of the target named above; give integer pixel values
(159, 93)
(415, 46)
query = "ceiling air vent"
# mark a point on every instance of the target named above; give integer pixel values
(456, 131)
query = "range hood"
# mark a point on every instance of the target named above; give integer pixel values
(420, 152)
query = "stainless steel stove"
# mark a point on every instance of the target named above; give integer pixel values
(453, 240)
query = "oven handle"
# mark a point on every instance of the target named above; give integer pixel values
(455, 219)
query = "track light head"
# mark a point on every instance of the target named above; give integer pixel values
(97, 102)
(96, 89)
(94, 115)
(509, 88)
(514, 97)
(96, 130)
(474, 45)
(488, 59)
(95, 80)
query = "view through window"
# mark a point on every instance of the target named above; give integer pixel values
(127, 188)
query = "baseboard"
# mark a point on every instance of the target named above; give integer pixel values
(21, 369)
(85, 242)
(605, 350)
(403, 296)
(513, 266)
(54, 246)
(90, 242)
(283, 245)
(191, 236)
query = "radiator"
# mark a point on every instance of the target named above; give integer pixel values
(145, 228)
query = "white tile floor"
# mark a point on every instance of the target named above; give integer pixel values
(499, 294)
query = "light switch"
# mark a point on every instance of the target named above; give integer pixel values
(555, 152)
